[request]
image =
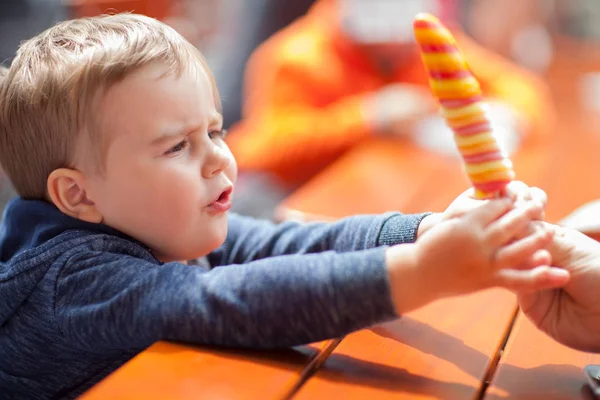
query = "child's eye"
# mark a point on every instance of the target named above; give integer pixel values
(178, 147)
(220, 134)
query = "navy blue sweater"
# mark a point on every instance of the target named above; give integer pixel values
(77, 300)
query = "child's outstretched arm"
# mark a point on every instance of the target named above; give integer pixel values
(249, 239)
(108, 301)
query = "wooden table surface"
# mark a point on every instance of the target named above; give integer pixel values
(174, 371)
(533, 366)
(437, 351)
(450, 349)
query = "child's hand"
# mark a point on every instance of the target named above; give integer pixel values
(518, 191)
(480, 249)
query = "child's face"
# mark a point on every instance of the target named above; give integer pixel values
(169, 174)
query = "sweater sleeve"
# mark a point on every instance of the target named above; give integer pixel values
(250, 239)
(112, 302)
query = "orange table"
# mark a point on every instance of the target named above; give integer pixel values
(173, 371)
(437, 351)
(379, 176)
(387, 175)
(534, 366)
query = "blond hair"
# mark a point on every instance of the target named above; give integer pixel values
(48, 96)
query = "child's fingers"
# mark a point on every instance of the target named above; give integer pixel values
(539, 195)
(523, 194)
(539, 278)
(488, 212)
(521, 251)
(517, 190)
(520, 192)
(512, 224)
(470, 193)
(538, 214)
(540, 257)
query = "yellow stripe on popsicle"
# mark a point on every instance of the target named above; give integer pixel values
(459, 94)
(496, 166)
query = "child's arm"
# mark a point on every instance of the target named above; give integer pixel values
(250, 239)
(111, 302)
(106, 301)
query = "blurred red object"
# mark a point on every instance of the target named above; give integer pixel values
(158, 9)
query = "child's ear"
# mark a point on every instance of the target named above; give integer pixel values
(67, 191)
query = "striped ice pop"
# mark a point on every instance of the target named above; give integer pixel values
(463, 108)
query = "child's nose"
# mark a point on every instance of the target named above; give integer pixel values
(216, 161)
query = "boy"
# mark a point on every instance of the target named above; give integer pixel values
(110, 131)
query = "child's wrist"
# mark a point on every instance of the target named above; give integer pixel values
(429, 222)
(409, 286)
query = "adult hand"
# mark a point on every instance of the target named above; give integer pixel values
(570, 315)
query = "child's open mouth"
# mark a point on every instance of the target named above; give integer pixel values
(223, 202)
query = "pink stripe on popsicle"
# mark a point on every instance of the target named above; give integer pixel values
(438, 48)
(449, 74)
(484, 157)
(458, 103)
(473, 129)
